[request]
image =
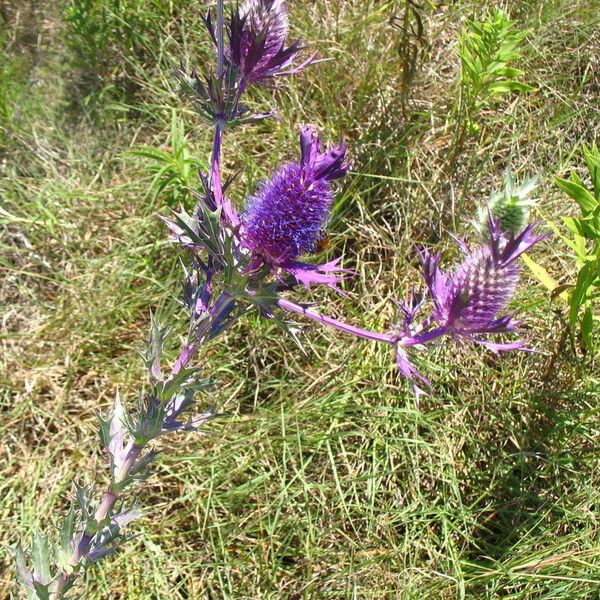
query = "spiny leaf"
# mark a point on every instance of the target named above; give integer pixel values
(64, 550)
(40, 556)
(23, 573)
(155, 345)
(42, 590)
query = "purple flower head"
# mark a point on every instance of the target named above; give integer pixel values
(257, 33)
(270, 17)
(469, 301)
(287, 215)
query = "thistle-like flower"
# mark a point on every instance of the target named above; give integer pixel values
(288, 213)
(270, 17)
(470, 301)
(257, 33)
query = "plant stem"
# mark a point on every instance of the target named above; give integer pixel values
(103, 511)
(219, 310)
(229, 212)
(187, 353)
(345, 327)
(215, 162)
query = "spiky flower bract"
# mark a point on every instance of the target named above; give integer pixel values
(270, 17)
(287, 215)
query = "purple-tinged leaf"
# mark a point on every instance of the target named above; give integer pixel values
(23, 573)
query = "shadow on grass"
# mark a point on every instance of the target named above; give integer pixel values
(538, 491)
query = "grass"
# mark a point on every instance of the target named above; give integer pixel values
(326, 479)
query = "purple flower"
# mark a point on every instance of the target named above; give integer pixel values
(287, 215)
(469, 302)
(257, 33)
(270, 17)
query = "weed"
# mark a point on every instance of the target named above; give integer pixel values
(174, 172)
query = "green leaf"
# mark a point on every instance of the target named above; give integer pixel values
(151, 153)
(40, 556)
(207, 233)
(505, 87)
(23, 573)
(63, 552)
(82, 494)
(587, 328)
(42, 590)
(584, 280)
(139, 470)
(168, 388)
(585, 228)
(580, 194)
(592, 159)
(155, 343)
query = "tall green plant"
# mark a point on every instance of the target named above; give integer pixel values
(585, 243)
(487, 49)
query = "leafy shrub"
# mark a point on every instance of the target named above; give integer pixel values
(582, 291)
(585, 244)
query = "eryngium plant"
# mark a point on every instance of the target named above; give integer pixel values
(254, 261)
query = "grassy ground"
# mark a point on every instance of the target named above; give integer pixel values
(326, 480)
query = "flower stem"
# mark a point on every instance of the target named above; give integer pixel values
(229, 213)
(103, 511)
(215, 162)
(187, 353)
(216, 313)
(331, 322)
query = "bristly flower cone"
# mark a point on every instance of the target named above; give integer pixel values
(483, 286)
(470, 301)
(286, 216)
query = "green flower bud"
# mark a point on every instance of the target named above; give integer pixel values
(511, 205)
